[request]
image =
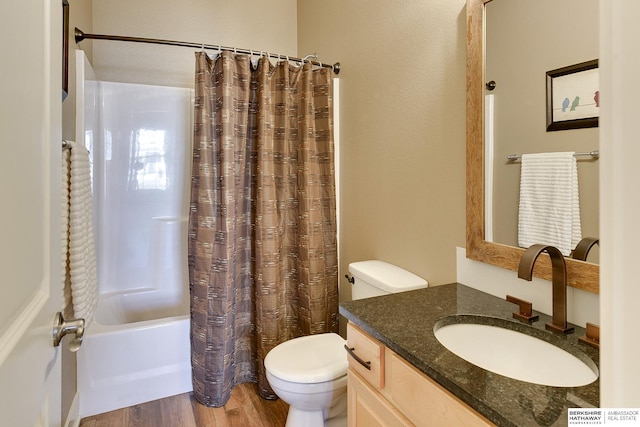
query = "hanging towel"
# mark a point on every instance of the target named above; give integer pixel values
(549, 210)
(67, 305)
(80, 293)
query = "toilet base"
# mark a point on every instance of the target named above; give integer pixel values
(336, 416)
(297, 417)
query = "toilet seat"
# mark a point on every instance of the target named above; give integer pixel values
(309, 359)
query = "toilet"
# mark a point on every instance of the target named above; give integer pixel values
(310, 372)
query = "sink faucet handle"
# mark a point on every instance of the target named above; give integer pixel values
(525, 312)
(593, 336)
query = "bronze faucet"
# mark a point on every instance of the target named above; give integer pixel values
(583, 247)
(558, 281)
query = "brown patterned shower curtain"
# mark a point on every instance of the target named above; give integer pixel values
(262, 229)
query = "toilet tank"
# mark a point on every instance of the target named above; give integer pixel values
(373, 278)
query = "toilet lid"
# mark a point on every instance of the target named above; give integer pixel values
(310, 359)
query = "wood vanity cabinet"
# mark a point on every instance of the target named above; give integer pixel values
(394, 393)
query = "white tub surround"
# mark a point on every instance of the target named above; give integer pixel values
(137, 348)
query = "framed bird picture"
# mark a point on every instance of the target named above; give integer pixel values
(573, 96)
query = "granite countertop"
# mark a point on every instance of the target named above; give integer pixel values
(404, 323)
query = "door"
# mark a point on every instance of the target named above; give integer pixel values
(30, 266)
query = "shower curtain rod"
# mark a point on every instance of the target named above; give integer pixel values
(80, 35)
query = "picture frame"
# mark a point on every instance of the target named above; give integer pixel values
(573, 96)
(65, 49)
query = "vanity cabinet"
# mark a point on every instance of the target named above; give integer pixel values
(367, 407)
(384, 390)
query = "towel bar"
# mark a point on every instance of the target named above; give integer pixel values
(594, 154)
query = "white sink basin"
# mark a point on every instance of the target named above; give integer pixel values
(515, 354)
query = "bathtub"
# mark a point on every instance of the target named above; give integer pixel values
(136, 350)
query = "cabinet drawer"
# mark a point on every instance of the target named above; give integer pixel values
(366, 356)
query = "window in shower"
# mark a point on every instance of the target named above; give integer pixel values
(149, 168)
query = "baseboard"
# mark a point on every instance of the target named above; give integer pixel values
(73, 417)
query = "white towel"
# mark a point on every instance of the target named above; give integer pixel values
(549, 210)
(67, 305)
(79, 260)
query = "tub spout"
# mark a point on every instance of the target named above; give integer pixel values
(558, 281)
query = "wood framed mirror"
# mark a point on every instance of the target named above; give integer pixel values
(580, 274)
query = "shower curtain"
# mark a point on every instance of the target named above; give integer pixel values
(262, 225)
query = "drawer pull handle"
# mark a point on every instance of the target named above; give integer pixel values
(367, 365)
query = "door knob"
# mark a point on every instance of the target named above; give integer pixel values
(63, 327)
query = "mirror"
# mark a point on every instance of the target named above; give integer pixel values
(581, 275)
(518, 40)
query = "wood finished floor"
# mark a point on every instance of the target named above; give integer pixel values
(245, 408)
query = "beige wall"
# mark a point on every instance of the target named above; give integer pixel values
(402, 128)
(402, 104)
(250, 24)
(524, 41)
